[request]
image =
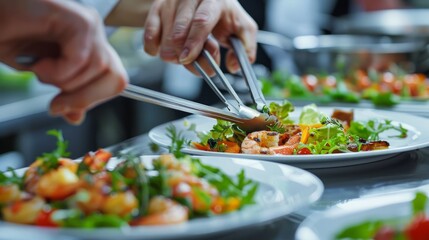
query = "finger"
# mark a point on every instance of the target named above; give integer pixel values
(96, 66)
(87, 97)
(104, 87)
(203, 22)
(237, 22)
(167, 51)
(152, 30)
(248, 36)
(213, 48)
(182, 23)
(75, 37)
(75, 118)
(231, 62)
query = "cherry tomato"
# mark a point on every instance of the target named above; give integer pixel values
(418, 229)
(304, 151)
(44, 219)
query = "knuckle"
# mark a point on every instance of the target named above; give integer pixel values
(179, 32)
(201, 19)
(121, 83)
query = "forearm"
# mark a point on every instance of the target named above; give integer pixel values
(131, 13)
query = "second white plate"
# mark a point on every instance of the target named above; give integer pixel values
(282, 190)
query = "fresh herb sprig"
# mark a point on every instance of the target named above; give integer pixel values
(13, 178)
(178, 141)
(51, 160)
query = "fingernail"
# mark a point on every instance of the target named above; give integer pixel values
(235, 67)
(75, 118)
(184, 55)
(57, 110)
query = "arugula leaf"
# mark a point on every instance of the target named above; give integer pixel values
(282, 111)
(365, 230)
(238, 186)
(222, 131)
(74, 218)
(371, 129)
(419, 203)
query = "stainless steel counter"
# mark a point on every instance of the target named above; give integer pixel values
(405, 171)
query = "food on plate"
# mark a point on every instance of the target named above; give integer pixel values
(414, 228)
(105, 191)
(314, 133)
(382, 88)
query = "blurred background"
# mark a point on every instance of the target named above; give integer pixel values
(304, 44)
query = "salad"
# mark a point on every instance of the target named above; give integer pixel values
(414, 228)
(381, 88)
(314, 133)
(57, 192)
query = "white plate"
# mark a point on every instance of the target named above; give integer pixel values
(319, 226)
(418, 137)
(283, 189)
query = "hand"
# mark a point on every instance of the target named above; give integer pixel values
(82, 64)
(177, 30)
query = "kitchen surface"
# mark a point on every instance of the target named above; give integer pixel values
(344, 157)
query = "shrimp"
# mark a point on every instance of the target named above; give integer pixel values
(259, 142)
(267, 142)
(9, 193)
(163, 211)
(58, 184)
(32, 175)
(121, 204)
(23, 211)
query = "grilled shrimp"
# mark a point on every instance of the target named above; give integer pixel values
(122, 203)
(58, 184)
(259, 142)
(267, 142)
(32, 176)
(9, 193)
(23, 211)
(163, 211)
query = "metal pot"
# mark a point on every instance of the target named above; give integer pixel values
(331, 53)
(397, 22)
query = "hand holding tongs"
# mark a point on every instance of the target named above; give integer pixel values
(247, 118)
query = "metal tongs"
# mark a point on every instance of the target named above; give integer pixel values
(245, 117)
